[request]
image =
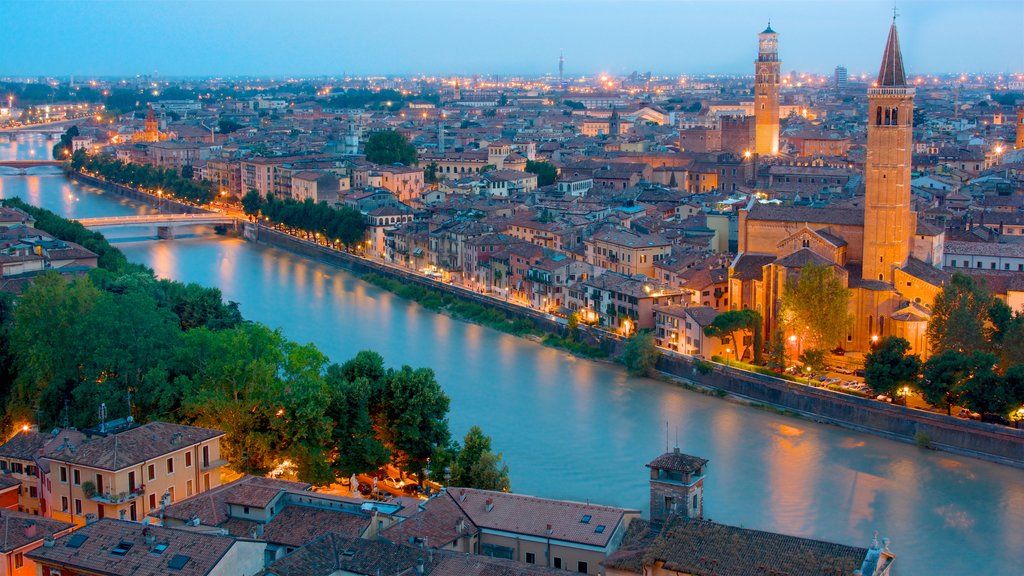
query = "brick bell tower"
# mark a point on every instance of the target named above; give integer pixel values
(1020, 128)
(888, 220)
(766, 93)
(677, 486)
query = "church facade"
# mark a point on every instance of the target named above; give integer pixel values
(890, 261)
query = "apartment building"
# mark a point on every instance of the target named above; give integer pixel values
(20, 534)
(626, 251)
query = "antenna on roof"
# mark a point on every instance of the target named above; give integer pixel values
(895, 11)
(677, 436)
(666, 435)
(67, 411)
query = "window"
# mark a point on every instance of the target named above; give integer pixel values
(64, 475)
(188, 488)
(582, 567)
(557, 563)
(76, 477)
(152, 501)
(63, 503)
(151, 472)
(531, 558)
(245, 509)
(694, 506)
(585, 519)
(170, 465)
(78, 506)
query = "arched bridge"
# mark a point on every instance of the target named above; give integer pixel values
(163, 222)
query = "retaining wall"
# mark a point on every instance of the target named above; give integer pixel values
(163, 204)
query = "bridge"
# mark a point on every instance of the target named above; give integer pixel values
(22, 164)
(163, 222)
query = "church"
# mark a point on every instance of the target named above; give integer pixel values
(888, 258)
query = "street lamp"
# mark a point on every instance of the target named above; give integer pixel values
(905, 392)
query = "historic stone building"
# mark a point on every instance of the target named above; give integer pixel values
(766, 93)
(890, 261)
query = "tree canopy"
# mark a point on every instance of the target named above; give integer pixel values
(888, 367)
(816, 305)
(545, 171)
(342, 224)
(389, 147)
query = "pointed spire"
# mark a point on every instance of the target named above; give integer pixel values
(769, 30)
(891, 73)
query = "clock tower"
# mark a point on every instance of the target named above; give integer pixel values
(766, 93)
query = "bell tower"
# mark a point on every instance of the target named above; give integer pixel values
(766, 93)
(677, 486)
(1020, 128)
(888, 220)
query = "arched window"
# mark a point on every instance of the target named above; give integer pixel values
(895, 112)
(888, 116)
(878, 116)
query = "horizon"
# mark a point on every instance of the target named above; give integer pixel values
(309, 39)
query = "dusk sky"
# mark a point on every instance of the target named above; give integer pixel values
(87, 38)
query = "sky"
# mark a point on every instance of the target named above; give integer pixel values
(357, 37)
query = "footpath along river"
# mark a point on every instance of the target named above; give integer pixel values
(583, 430)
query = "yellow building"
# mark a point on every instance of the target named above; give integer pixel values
(127, 471)
(627, 252)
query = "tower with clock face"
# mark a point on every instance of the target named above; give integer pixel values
(766, 93)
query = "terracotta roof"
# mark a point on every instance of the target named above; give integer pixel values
(134, 446)
(211, 507)
(694, 546)
(749, 266)
(678, 462)
(531, 516)
(840, 216)
(25, 445)
(926, 272)
(296, 525)
(18, 529)
(90, 549)
(437, 524)
(801, 258)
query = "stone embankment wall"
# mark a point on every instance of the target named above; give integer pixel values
(163, 204)
(986, 441)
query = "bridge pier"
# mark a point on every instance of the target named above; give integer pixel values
(164, 233)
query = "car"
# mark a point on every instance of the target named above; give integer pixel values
(842, 370)
(859, 372)
(839, 352)
(392, 482)
(883, 398)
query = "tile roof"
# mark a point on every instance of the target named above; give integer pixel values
(831, 215)
(926, 272)
(801, 258)
(96, 542)
(530, 516)
(211, 507)
(700, 547)
(25, 445)
(891, 72)
(678, 462)
(437, 524)
(749, 266)
(296, 525)
(18, 529)
(134, 446)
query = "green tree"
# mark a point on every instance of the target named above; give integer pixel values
(1013, 389)
(415, 421)
(252, 202)
(960, 315)
(430, 173)
(545, 171)
(814, 359)
(226, 126)
(476, 466)
(389, 147)
(358, 449)
(641, 354)
(816, 304)
(888, 368)
(777, 351)
(984, 391)
(187, 172)
(729, 324)
(942, 379)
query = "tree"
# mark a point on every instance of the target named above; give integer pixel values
(777, 351)
(641, 354)
(942, 379)
(732, 322)
(476, 466)
(226, 126)
(389, 147)
(814, 359)
(1013, 389)
(415, 419)
(888, 368)
(816, 305)
(984, 391)
(959, 316)
(252, 202)
(358, 449)
(430, 173)
(187, 172)
(545, 171)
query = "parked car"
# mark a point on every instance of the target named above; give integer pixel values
(842, 370)
(994, 419)
(392, 482)
(883, 398)
(859, 372)
(839, 352)
(965, 413)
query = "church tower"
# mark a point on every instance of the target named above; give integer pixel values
(613, 123)
(766, 93)
(888, 220)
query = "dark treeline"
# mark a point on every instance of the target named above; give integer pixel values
(344, 225)
(169, 181)
(163, 350)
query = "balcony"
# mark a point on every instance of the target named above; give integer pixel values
(119, 498)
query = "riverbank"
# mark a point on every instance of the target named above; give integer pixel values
(979, 440)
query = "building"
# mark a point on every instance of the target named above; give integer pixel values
(119, 548)
(677, 486)
(766, 93)
(626, 251)
(316, 186)
(876, 251)
(152, 132)
(619, 302)
(20, 534)
(840, 77)
(1019, 144)
(681, 329)
(126, 471)
(553, 533)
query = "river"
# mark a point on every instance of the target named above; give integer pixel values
(583, 430)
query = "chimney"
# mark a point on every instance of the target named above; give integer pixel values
(548, 530)
(490, 504)
(259, 530)
(460, 525)
(420, 566)
(48, 541)
(30, 529)
(462, 495)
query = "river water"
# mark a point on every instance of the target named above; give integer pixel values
(583, 430)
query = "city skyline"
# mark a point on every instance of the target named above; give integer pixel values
(327, 39)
